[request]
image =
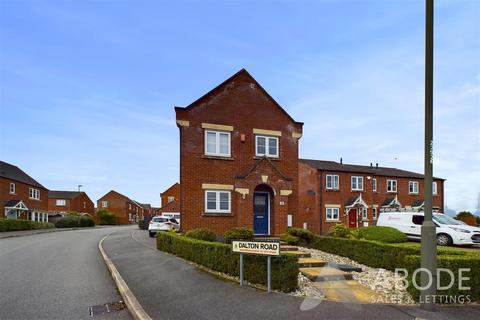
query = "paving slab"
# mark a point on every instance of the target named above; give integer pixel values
(346, 291)
(325, 274)
(310, 262)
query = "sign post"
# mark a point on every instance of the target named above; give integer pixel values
(264, 248)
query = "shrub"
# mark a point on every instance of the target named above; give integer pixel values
(19, 225)
(86, 222)
(382, 234)
(74, 221)
(202, 234)
(219, 257)
(238, 234)
(304, 236)
(339, 230)
(467, 217)
(142, 224)
(289, 239)
(106, 217)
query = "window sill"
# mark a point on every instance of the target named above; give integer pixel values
(333, 190)
(392, 192)
(337, 221)
(220, 215)
(270, 158)
(217, 157)
(413, 193)
(357, 190)
(34, 199)
(13, 194)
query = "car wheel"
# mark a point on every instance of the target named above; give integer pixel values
(151, 234)
(444, 239)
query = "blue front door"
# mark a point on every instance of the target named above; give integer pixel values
(260, 213)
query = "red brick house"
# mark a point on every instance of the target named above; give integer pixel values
(21, 196)
(171, 194)
(332, 192)
(60, 202)
(238, 159)
(126, 210)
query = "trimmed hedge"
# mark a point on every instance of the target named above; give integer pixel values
(74, 221)
(19, 225)
(340, 230)
(219, 257)
(238, 234)
(304, 236)
(106, 217)
(382, 234)
(143, 224)
(202, 234)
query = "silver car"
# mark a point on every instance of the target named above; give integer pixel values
(162, 224)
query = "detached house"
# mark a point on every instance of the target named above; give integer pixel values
(238, 160)
(333, 192)
(60, 202)
(125, 209)
(170, 201)
(21, 196)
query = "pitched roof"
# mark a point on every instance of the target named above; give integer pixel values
(325, 165)
(12, 172)
(176, 184)
(172, 206)
(418, 203)
(224, 83)
(58, 194)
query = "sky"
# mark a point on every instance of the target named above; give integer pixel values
(87, 88)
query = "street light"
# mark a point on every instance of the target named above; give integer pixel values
(429, 243)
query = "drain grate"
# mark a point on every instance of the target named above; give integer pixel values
(105, 308)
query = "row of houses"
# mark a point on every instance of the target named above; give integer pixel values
(22, 197)
(240, 167)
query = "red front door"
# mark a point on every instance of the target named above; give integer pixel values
(352, 218)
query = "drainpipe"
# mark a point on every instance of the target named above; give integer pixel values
(321, 200)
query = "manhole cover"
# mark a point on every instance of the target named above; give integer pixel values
(105, 308)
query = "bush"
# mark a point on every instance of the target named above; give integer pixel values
(467, 217)
(339, 230)
(289, 239)
(304, 236)
(238, 234)
(19, 225)
(202, 234)
(219, 257)
(74, 221)
(106, 217)
(142, 224)
(382, 234)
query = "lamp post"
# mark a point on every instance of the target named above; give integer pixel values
(429, 244)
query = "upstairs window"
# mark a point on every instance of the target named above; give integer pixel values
(104, 204)
(266, 146)
(391, 185)
(413, 187)
(332, 182)
(34, 194)
(434, 187)
(170, 199)
(357, 183)
(12, 188)
(217, 201)
(217, 143)
(60, 202)
(374, 184)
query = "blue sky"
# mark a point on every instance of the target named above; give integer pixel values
(88, 87)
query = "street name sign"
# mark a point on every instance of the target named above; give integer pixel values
(264, 248)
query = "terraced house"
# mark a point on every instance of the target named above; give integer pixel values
(238, 159)
(333, 192)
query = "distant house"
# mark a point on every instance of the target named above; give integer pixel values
(126, 210)
(61, 202)
(147, 209)
(21, 196)
(171, 194)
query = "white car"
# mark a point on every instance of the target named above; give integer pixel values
(173, 215)
(449, 231)
(161, 224)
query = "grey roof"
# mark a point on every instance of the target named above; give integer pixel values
(58, 194)
(11, 203)
(12, 172)
(388, 202)
(351, 201)
(325, 165)
(417, 203)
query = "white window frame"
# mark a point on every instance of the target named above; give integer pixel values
(332, 212)
(60, 202)
(267, 148)
(335, 180)
(34, 193)
(415, 188)
(217, 202)
(357, 179)
(374, 184)
(13, 188)
(170, 199)
(217, 144)
(434, 188)
(394, 183)
(364, 214)
(374, 213)
(104, 204)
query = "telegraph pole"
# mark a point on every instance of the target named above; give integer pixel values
(429, 241)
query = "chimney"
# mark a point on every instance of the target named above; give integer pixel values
(376, 165)
(341, 160)
(371, 165)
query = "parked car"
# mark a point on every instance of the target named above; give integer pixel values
(175, 216)
(161, 224)
(449, 231)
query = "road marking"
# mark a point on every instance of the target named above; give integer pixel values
(135, 308)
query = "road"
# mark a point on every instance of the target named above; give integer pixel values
(56, 275)
(175, 289)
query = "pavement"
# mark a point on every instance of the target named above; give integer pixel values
(56, 275)
(22, 233)
(168, 287)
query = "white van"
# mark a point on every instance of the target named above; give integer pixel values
(449, 231)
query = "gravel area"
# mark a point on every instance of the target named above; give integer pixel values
(385, 283)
